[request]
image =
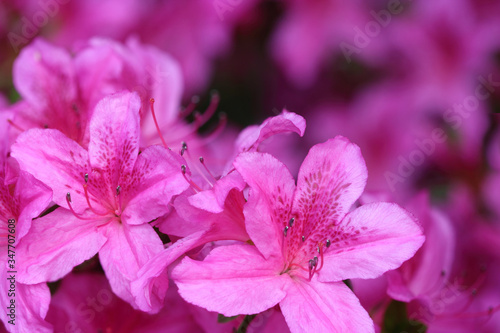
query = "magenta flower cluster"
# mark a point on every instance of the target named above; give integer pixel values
(93, 182)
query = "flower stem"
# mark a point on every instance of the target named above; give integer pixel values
(245, 323)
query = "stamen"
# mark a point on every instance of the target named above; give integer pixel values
(118, 191)
(202, 161)
(88, 198)
(214, 102)
(195, 187)
(15, 125)
(190, 108)
(311, 264)
(473, 291)
(151, 103)
(439, 283)
(195, 165)
(303, 238)
(78, 216)
(285, 231)
(197, 120)
(328, 243)
(184, 147)
(320, 250)
(312, 267)
(290, 223)
(218, 130)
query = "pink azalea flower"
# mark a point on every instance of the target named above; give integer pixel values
(107, 195)
(449, 285)
(60, 91)
(32, 304)
(85, 302)
(306, 243)
(469, 300)
(204, 216)
(21, 199)
(44, 76)
(423, 276)
(106, 66)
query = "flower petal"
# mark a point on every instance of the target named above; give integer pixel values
(232, 280)
(156, 178)
(33, 198)
(42, 68)
(114, 138)
(55, 244)
(152, 282)
(251, 137)
(105, 66)
(45, 78)
(324, 307)
(226, 225)
(86, 301)
(128, 248)
(164, 78)
(56, 161)
(213, 200)
(331, 178)
(184, 220)
(30, 307)
(268, 208)
(424, 275)
(4, 136)
(369, 241)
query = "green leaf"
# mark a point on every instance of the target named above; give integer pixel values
(396, 320)
(223, 319)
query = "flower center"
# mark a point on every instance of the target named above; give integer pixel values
(115, 209)
(293, 241)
